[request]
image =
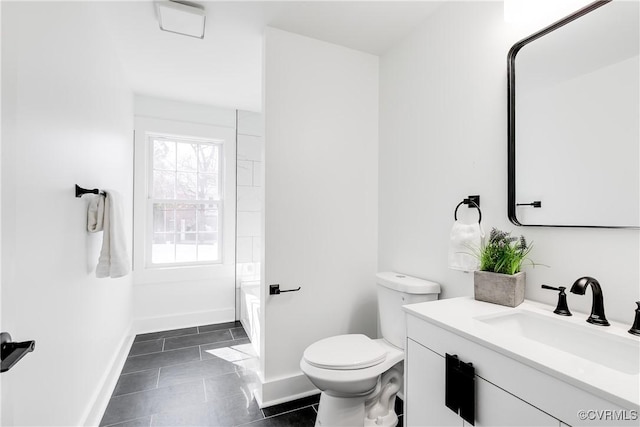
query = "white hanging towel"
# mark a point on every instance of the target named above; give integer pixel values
(464, 240)
(105, 213)
(95, 214)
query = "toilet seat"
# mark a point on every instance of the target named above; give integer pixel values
(352, 382)
(345, 352)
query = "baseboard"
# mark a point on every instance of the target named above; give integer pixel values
(98, 404)
(182, 320)
(285, 390)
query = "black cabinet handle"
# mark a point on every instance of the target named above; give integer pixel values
(451, 382)
(460, 388)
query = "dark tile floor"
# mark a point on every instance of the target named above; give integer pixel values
(198, 376)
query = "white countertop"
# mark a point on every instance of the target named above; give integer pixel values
(459, 315)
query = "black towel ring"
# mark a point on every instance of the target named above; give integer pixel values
(468, 202)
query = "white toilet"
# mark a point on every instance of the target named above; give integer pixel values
(359, 377)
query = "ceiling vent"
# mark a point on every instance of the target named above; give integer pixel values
(181, 18)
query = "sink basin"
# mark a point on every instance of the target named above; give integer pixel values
(615, 352)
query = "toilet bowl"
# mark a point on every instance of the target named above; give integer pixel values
(348, 369)
(359, 377)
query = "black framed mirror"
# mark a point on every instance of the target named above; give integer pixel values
(574, 121)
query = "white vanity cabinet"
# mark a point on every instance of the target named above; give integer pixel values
(425, 403)
(424, 388)
(508, 392)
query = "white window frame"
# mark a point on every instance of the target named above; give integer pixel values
(158, 273)
(150, 137)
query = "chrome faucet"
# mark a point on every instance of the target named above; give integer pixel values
(597, 316)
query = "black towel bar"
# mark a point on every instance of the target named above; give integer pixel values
(80, 191)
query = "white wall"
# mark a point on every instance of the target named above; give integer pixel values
(66, 119)
(249, 222)
(249, 180)
(168, 298)
(443, 97)
(321, 139)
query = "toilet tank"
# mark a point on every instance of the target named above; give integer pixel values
(394, 291)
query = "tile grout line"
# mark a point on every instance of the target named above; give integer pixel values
(157, 367)
(182, 382)
(183, 335)
(228, 343)
(216, 339)
(166, 366)
(134, 372)
(204, 387)
(161, 337)
(145, 354)
(188, 334)
(120, 422)
(289, 411)
(183, 348)
(151, 389)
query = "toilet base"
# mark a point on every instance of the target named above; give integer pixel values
(354, 411)
(340, 411)
(389, 420)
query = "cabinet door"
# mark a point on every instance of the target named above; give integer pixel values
(496, 407)
(424, 396)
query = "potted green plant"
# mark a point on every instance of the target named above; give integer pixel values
(500, 279)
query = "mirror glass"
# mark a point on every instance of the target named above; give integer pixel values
(574, 121)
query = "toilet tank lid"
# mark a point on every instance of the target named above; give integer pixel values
(407, 284)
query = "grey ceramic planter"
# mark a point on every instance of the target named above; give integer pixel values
(496, 288)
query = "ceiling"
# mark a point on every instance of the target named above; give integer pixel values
(225, 68)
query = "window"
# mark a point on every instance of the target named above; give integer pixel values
(185, 201)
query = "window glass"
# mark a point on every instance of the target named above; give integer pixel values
(185, 201)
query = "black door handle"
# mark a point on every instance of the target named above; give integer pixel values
(275, 289)
(11, 352)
